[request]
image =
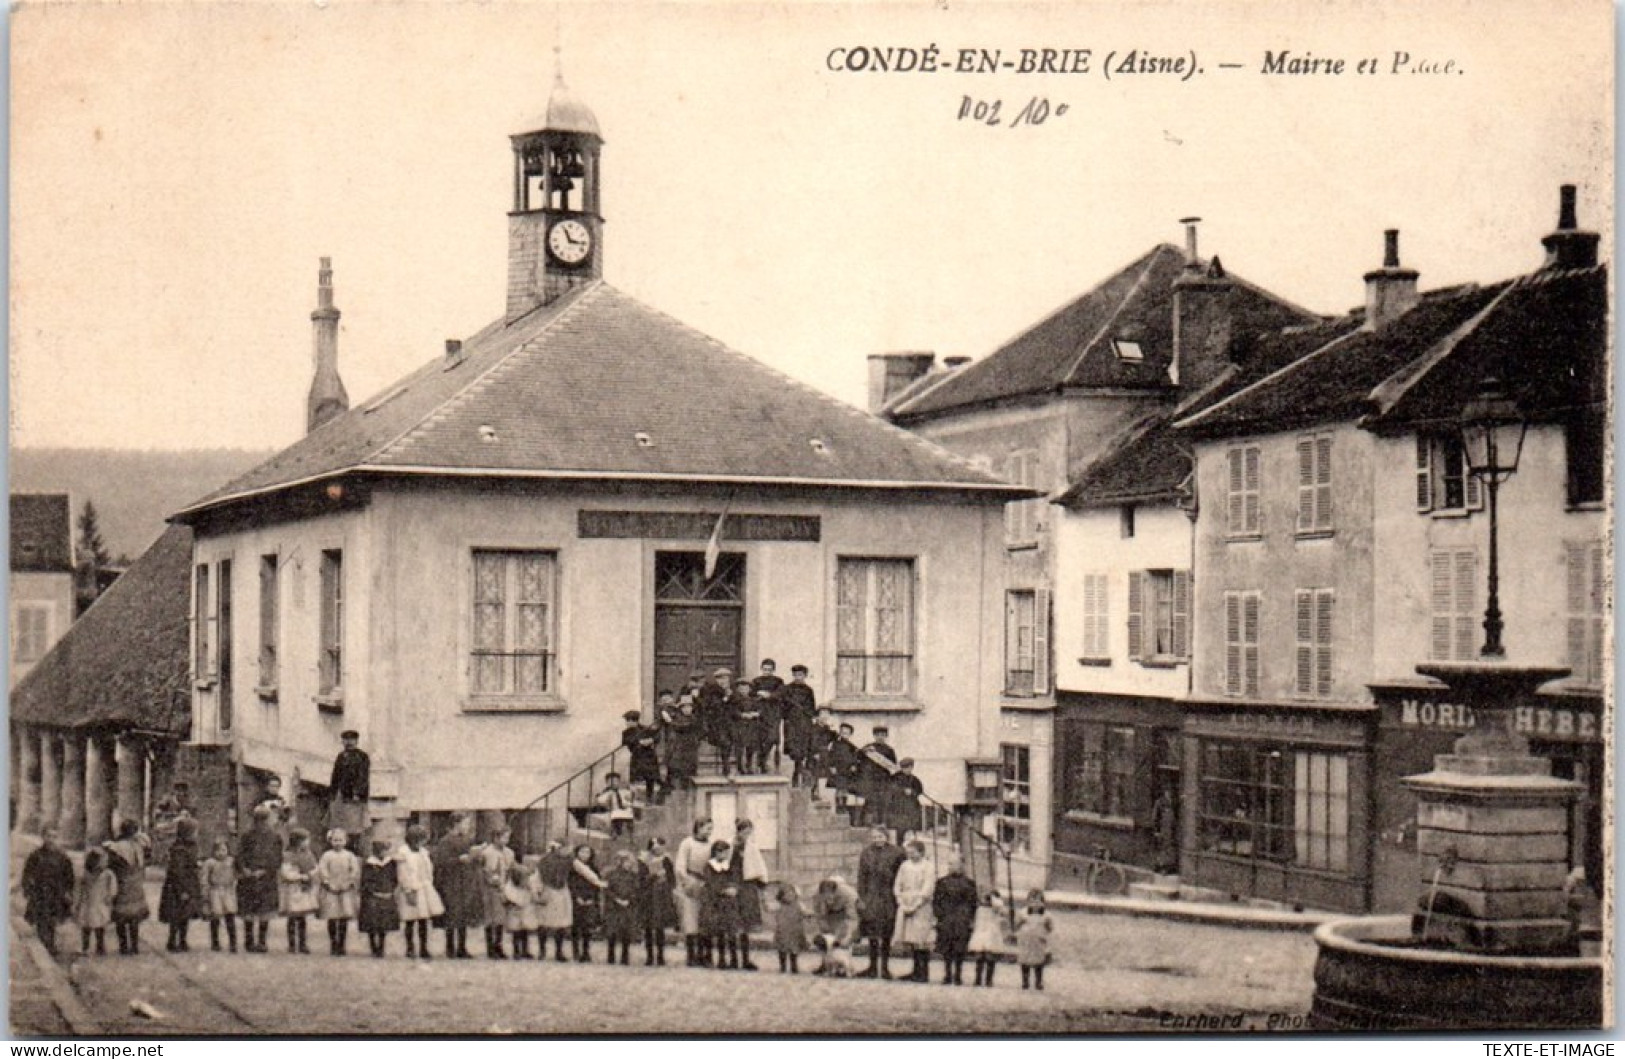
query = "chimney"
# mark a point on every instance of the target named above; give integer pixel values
(1202, 317)
(891, 373)
(327, 398)
(1568, 247)
(1390, 291)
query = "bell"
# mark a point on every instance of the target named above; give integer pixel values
(574, 166)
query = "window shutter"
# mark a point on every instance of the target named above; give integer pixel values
(1041, 638)
(1305, 634)
(1323, 642)
(1443, 613)
(1012, 510)
(1232, 643)
(1235, 498)
(1249, 635)
(1136, 614)
(1182, 613)
(1323, 483)
(1250, 514)
(1577, 564)
(1465, 603)
(1473, 489)
(1599, 575)
(1306, 484)
(1424, 473)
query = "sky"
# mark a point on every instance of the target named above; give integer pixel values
(179, 168)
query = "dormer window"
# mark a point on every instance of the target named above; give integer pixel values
(1127, 350)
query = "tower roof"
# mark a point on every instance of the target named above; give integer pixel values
(566, 112)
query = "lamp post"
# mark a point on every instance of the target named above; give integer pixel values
(1492, 432)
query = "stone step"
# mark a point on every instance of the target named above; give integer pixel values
(1154, 891)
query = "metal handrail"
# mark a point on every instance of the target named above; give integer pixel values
(584, 776)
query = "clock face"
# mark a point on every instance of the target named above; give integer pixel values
(570, 242)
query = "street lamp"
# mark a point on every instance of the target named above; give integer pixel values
(1492, 431)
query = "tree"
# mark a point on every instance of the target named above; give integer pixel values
(91, 559)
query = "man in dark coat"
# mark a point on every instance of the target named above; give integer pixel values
(766, 687)
(799, 707)
(711, 706)
(48, 888)
(350, 788)
(953, 903)
(872, 776)
(841, 764)
(877, 904)
(457, 878)
(903, 803)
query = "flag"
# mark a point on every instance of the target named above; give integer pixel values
(713, 546)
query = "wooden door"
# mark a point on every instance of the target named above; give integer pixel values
(694, 636)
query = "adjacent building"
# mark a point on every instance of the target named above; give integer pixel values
(42, 595)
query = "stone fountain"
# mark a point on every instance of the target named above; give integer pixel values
(1491, 944)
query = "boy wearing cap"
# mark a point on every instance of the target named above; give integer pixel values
(799, 709)
(641, 740)
(767, 688)
(749, 729)
(873, 778)
(903, 813)
(711, 705)
(350, 787)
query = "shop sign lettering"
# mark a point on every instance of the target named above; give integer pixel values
(1554, 722)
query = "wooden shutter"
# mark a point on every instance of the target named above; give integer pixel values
(1323, 642)
(1465, 603)
(1304, 605)
(1136, 614)
(1424, 473)
(1581, 580)
(1249, 635)
(1235, 518)
(1471, 487)
(1182, 614)
(1323, 483)
(1232, 643)
(1441, 634)
(1306, 484)
(1250, 518)
(1041, 638)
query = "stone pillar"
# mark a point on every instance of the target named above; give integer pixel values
(50, 760)
(131, 778)
(98, 807)
(28, 779)
(72, 819)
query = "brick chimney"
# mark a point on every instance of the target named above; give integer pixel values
(891, 373)
(1390, 291)
(327, 398)
(1568, 247)
(1202, 317)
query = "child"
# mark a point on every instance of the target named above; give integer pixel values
(496, 862)
(719, 906)
(789, 928)
(623, 911)
(659, 902)
(519, 905)
(987, 936)
(1032, 940)
(555, 913)
(682, 745)
(93, 902)
(641, 741)
(616, 801)
(416, 899)
(220, 894)
(338, 900)
(298, 879)
(379, 916)
(585, 916)
(744, 713)
(182, 897)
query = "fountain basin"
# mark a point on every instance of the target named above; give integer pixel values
(1371, 975)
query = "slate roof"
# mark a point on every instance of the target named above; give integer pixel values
(566, 392)
(1335, 381)
(1073, 346)
(123, 663)
(41, 533)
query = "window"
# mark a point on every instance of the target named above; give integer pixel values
(1454, 621)
(1442, 481)
(1127, 350)
(1022, 517)
(513, 623)
(1241, 643)
(1096, 622)
(1015, 820)
(270, 602)
(1126, 521)
(31, 631)
(1026, 642)
(1586, 571)
(202, 659)
(1313, 627)
(1242, 496)
(874, 621)
(331, 658)
(1159, 614)
(1315, 484)
(1100, 771)
(1585, 438)
(1269, 803)
(223, 643)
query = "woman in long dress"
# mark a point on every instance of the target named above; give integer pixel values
(913, 890)
(692, 853)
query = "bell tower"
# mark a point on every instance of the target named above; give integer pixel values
(555, 229)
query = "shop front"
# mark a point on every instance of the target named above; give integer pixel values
(1118, 787)
(1275, 803)
(1419, 720)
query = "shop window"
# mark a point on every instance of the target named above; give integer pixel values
(1101, 770)
(1454, 596)
(1315, 485)
(1015, 819)
(1586, 569)
(1442, 482)
(1313, 650)
(1241, 497)
(1264, 802)
(874, 627)
(1320, 806)
(1159, 615)
(1241, 617)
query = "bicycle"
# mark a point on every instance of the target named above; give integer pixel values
(1104, 878)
